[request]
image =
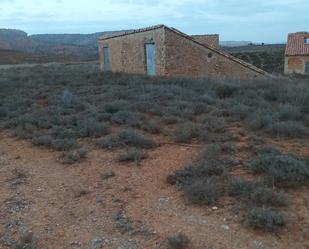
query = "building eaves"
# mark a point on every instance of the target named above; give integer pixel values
(132, 32)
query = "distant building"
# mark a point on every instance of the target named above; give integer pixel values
(297, 53)
(161, 50)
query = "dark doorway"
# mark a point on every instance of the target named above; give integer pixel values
(106, 59)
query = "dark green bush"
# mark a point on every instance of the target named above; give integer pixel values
(126, 137)
(133, 155)
(71, 157)
(133, 138)
(256, 194)
(269, 149)
(92, 128)
(266, 196)
(213, 123)
(45, 140)
(126, 117)
(115, 106)
(242, 188)
(264, 218)
(240, 111)
(289, 112)
(178, 241)
(289, 129)
(225, 90)
(281, 170)
(108, 142)
(186, 132)
(259, 120)
(3, 112)
(203, 191)
(151, 126)
(170, 119)
(63, 144)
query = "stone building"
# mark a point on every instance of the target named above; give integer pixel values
(297, 53)
(165, 51)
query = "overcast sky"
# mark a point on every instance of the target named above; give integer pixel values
(256, 20)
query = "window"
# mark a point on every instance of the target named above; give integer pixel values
(307, 40)
(210, 55)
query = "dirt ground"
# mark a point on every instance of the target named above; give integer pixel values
(100, 203)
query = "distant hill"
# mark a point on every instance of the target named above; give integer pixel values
(55, 47)
(267, 57)
(89, 40)
(11, 39)
(234, 43)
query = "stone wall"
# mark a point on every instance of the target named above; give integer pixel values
(176, 55)
(209, 40)
(127, 53)
(295, 64)
(184, 57)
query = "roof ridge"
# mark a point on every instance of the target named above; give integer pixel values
(133, 31)
(239, 61)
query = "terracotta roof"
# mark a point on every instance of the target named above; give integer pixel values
(296, 44)
(241, 62)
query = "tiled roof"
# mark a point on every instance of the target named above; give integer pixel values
(228, 56)
(296, 44)
(132, 32)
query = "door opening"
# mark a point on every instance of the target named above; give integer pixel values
(150, 58)
(307, 67)
(106, 59)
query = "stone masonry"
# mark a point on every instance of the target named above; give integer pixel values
(176, 54)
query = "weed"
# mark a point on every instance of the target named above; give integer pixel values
(213, 123)
(107, 175)
(289, 129)
(26, 242)
(186, 132)
(71, 157)
(79, 192)
(125, 117)
(254, 193)
(92, 128)
(45, 140)
(151, 126)
(178, 241)
(134, 155)
(225, 90)
(281, 170)
(3, 112)
(133, 138)
(115, 106)
(264, 218)
(203, 191)
(108, 142)
(63, 144)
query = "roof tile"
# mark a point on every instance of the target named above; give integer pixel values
(296, 44)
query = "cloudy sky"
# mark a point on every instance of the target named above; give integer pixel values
(256, 20)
